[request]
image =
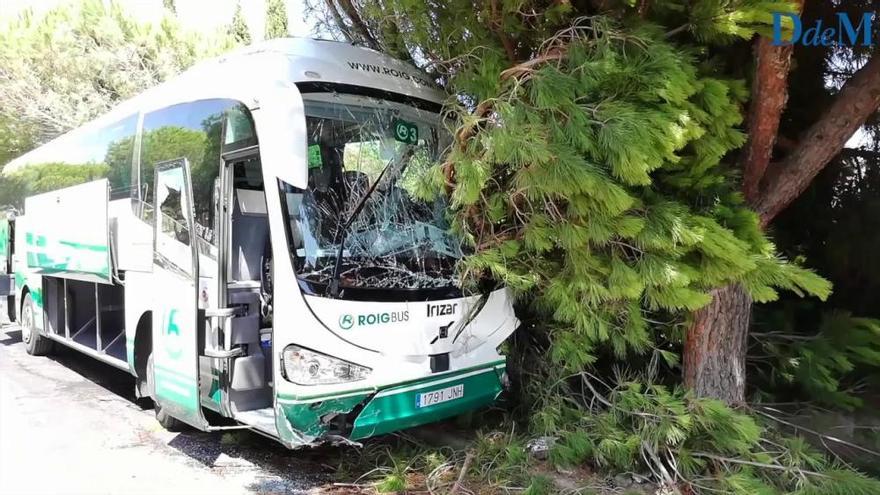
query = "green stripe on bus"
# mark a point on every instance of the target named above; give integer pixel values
(90, 247)
(396, 411)
(41, 241)
(62, 259)
(34, 240)
(427, 379)
(178, 378)
(37, 296)
(172, 392)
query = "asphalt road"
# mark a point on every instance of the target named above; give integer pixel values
(70, 424)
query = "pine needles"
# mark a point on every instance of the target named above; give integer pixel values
(593, 185)
(590, 174)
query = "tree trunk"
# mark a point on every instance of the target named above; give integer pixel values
(716, 345)
(769, 96)
(359, 25)
(857, 100)
(715, 349)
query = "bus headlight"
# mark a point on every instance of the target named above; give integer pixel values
(307, 367)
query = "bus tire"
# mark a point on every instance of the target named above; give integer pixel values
(34, 343)
(167, 421)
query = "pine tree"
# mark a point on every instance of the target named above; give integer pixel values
(476, 52)
(238, 28)
(104, 56)
(595, 174)
(276, 19)
(66, 66)
(169, 6)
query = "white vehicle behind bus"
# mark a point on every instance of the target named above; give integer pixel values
(247, 240)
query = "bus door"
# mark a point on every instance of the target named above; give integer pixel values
(7, 282)
(175, 295)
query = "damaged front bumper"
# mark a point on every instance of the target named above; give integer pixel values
(360, 414)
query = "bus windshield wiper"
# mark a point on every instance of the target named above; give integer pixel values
(341, 233)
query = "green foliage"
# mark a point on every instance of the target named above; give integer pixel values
(276, 19)
(722, 21)
(700, 443)
(592, 176)
(500, 459)
(104, 55)
(238, 29)
(820, 364)
(47, 177)
(596, 190)
(540, 485)
(392, 483)
(164, 143)
(16, 137)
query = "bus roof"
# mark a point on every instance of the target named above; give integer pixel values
(242, 73)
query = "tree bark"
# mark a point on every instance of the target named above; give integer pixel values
(358, 23)
(715, 349)
(337, 18)
(858, 99)
(715, 346)
(769, 96)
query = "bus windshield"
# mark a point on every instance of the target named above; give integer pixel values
(370, 151)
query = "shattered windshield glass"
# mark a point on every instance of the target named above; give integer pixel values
(372, 151)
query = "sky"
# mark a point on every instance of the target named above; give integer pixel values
(198, 15)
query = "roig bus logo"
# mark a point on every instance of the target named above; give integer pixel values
(346, 322)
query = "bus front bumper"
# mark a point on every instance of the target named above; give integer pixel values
(394, 407)
(398, 407)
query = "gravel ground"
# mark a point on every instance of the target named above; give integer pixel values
(70, 424)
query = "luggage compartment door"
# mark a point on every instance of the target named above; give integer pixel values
(68, 233)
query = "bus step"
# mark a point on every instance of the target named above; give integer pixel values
(259, 419)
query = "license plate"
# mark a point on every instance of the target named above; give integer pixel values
(437, 396)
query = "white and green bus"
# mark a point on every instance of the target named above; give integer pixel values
(247, 239)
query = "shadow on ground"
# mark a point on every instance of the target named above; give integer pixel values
(12, 337)
(277, 469)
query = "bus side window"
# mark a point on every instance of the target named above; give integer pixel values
(95, 151)
(193, 131)
(171, 206)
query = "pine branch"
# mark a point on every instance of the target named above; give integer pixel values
(648, 452)
(524, 68)
(359, 24)
(818, 434)
(496, 27)
(461, 475)
(858, 99)
(337, 18)
(484, 108)
(675, 31)
(757, 464)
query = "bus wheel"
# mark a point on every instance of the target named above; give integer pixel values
(36, 344)
(167, 421)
